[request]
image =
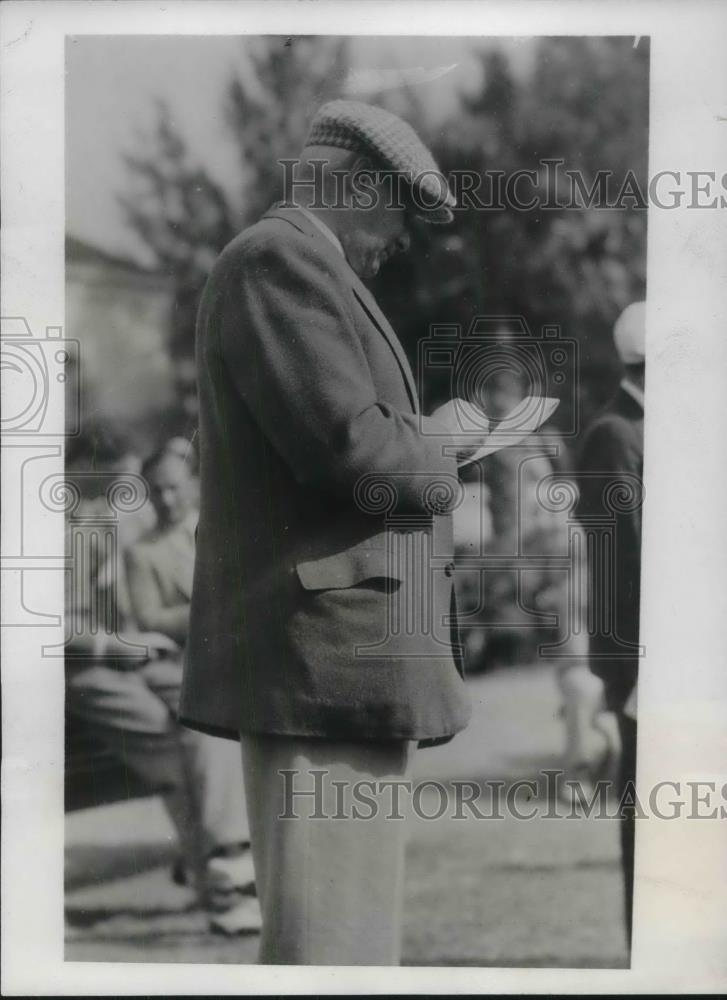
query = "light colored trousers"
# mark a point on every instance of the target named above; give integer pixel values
(134, 714)
(330, 889)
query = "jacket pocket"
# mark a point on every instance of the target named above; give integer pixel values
(348, 568)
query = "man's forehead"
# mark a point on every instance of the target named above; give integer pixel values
(169, 467)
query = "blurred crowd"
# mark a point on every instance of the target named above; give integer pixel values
(128, 605)
(521, 578)
(131, 538)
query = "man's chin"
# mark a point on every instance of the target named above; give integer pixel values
(366, 270)
(373, 266)
(369, 266)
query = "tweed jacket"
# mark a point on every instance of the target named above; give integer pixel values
(322, 594)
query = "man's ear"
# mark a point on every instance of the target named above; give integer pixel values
(365, 166)
(363, 163)
(360, 181)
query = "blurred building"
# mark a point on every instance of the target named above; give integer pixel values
(121, 315)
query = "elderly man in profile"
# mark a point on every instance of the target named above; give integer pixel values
(307, 406)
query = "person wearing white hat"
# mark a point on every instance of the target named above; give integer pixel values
(629, 335)
(610, 504)
(309, 425)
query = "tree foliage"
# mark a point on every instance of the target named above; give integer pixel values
(180, 211)
(585, 103)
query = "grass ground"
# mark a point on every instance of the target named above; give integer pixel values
(488, 892)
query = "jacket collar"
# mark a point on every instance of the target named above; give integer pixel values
(635, 391)
(623, 402)
(326, 230)
(304, 224)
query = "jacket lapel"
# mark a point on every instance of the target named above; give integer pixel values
(375, 314)
(363, 295)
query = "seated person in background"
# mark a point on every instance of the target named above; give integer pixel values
(130, 701)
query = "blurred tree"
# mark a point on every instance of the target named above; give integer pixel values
(585, 104)
(177, 208)
(182, 215)
(588, 105)
(270, 105)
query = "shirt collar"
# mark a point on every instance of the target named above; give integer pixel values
(633, 390)
(326, 230)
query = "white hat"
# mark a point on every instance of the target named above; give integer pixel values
(629, 334)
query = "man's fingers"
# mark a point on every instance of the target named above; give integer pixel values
(473, 416)
(157, 640)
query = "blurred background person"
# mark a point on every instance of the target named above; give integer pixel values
(472, 537)
(123, 678)
(590, 736)
(159, 569)
(611, 461)
(512, 521)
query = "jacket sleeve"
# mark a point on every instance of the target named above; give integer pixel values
(289, 343)
(609, 454)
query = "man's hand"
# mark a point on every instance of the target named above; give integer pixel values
(149, 646)
(159, 644)
(467, 423)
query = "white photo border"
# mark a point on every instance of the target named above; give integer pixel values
(680, 921)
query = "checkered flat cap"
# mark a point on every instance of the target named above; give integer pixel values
(372, 131)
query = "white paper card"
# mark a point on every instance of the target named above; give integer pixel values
(521, 421)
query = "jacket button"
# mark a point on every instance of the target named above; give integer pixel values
(449, 569)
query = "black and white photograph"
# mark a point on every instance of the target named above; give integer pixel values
(345, 508)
